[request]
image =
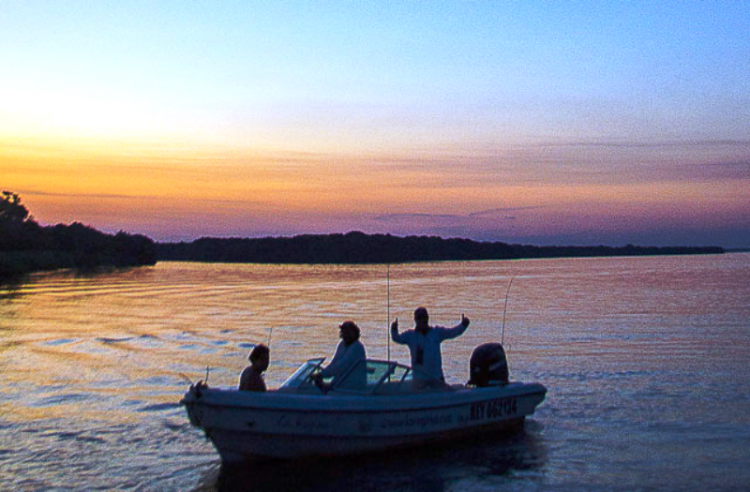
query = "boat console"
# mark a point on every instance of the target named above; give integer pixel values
(367, 377)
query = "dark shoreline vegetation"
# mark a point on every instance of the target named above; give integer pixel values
(27, 247)
(359, 248)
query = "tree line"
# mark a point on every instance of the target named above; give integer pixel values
(357, 247)
(25, 246)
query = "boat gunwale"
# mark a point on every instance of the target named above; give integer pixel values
(354, 403)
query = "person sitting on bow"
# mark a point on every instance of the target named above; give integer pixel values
(252, 377)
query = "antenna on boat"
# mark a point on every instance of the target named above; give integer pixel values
(505, 310)
(207, 373)
(270, 332)
(388, 311)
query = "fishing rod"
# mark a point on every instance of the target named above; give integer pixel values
(183, 376)
(505, 310)
(388, 312)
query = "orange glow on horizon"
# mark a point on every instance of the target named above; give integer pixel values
(207, 190)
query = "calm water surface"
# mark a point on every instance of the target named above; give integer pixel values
(647, 362)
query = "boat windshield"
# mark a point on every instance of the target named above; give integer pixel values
(368, 376)
(383, 377)
(302, 374)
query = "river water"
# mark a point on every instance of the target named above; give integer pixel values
(647, 363)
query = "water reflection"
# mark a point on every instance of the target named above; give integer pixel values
(10, 287)
(491, 460)
(645, 360)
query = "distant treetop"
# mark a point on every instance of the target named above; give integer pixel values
(25, 246)
(11, 209)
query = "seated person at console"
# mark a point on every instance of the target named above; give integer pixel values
(349, 352)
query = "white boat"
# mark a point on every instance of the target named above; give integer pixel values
(390, 409)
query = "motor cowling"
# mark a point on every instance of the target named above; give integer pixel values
(488, 365)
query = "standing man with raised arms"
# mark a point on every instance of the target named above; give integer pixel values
(424, 344)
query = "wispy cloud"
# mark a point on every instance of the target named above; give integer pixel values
(504, 210)
(82, 197)
(494, 213)
(648, 145)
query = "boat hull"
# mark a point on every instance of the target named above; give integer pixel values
(235, 447)
(245, 425)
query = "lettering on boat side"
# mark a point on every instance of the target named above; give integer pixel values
(302, 423)
(417, 421)
(492, 409)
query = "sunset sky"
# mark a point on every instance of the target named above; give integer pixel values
(532, 122)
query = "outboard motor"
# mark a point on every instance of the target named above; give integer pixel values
(488, 365)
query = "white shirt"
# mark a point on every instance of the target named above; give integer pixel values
(425, 349)
(344, 358)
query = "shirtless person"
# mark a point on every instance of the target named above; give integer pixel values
(252, 377)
